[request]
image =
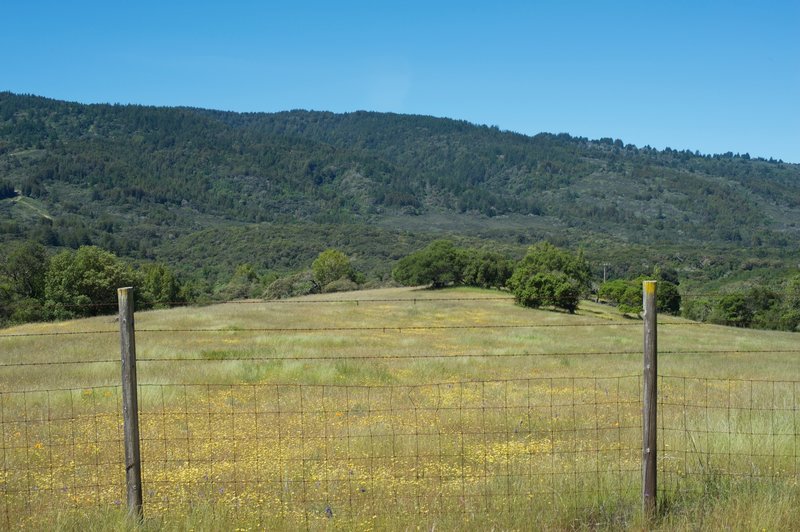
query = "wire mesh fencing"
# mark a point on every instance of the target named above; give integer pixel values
(722, 436)
(62, 452)
(499, 452)
(302, 455)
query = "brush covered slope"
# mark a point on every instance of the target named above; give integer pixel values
(207, 190)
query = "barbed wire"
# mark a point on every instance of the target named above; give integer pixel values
(298, 301)
(715, 294)
(387, 328)
(385, 357)
(58, 363)
(399, 356)
(357, 301)
(57, 333)
(464, 355)
(382, 328)
(730, 379)
(398, 328)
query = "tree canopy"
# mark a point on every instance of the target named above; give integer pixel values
(438, 265)
(85, 282)
(626, 294)
(549, 276)
(204, 192)
(331, 265)
(486, 269)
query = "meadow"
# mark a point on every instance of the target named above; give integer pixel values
(397, 409)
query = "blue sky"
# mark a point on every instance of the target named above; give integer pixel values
(708, 76)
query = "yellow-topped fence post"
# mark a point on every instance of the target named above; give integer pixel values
(649, 401)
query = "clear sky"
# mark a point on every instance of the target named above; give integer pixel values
(708, 76)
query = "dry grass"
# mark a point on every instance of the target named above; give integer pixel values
(395, 426)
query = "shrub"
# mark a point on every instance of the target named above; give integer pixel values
(340, 285)
(298, 284)
(732, 309)
(549, 276)
(626, 295)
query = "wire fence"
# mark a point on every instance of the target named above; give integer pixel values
(303, 454)
(360, 456)
(722, 433)
(382, 328)
(62, 452)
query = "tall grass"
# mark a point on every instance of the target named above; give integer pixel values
(396, 426)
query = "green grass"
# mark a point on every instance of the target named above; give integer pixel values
(398, 426)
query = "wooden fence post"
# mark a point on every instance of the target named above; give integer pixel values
(130, 403)
(650, 401)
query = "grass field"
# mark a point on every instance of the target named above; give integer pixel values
(404, 409)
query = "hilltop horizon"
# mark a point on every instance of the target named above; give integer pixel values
(573, 134)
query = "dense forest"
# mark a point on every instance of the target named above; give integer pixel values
(206, 193)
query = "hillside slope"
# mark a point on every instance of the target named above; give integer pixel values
(145, 182)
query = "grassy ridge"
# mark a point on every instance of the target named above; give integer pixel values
(396, 425)
(388, 330)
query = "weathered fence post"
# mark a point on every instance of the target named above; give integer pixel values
(130, 403)
(650, 401)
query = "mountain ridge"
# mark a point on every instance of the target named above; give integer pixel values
(142, 180)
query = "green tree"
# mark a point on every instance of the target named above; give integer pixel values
(668, 299)
(766, 306)
(331, 265)
(626, 295)
(25, 267)
(297, 284)
(732, 309)
(486, 269)
(160, 286)
(6, 303)
(6, 190)
(553, 288)
(790, 315)
(438, 265)
(243, 284)
(697, 309)
(22, 273)
(549, 276)
(85, 282)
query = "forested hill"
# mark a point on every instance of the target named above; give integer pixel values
(204, 190)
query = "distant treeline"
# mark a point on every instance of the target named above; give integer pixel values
(35, 286)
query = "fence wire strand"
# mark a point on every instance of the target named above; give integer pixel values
(308, 455)
(717, 435)
(403, 356)
(381, 328)
(311, 453)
